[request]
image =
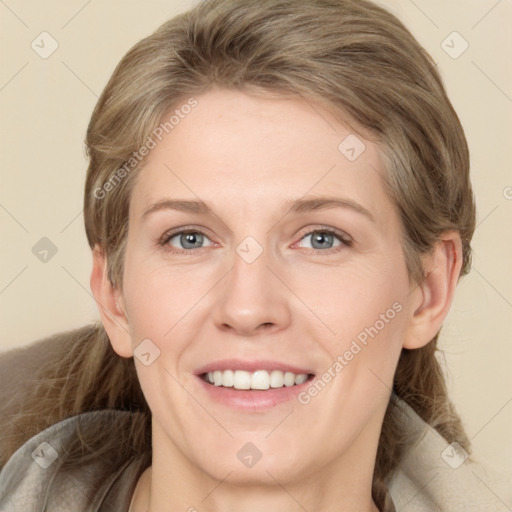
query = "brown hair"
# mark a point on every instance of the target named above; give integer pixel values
(351, 56)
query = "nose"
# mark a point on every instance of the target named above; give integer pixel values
(252, 298)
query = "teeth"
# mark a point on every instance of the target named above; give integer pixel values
(260, 379)
(299, 379)
(276, 379)
(217, 378)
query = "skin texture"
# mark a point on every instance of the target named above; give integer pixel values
(298, 303)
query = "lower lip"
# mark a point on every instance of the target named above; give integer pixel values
(252, 400)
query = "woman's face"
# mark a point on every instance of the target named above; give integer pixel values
(292, 264)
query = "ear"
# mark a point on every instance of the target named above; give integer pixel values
(111, 306)
(432, 298)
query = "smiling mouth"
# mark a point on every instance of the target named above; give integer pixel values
(260, 380)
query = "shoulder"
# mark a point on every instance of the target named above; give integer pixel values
(438, 476)
(36, 477)
(26, 372)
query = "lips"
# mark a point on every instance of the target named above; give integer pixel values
(252, 386)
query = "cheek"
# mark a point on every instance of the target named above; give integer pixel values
(371, 337)
(349, 302)
(369, 318)
(159, 296)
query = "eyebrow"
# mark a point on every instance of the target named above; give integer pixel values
(291, 206)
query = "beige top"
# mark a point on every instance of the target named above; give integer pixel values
(33, 478)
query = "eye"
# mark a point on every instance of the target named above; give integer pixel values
(185, 241)
(325, 239)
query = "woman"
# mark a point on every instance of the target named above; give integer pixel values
(279, 209)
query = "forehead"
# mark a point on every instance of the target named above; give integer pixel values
(233, 148)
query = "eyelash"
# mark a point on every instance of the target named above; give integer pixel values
(345, 240)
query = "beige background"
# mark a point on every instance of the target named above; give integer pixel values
(45, 107)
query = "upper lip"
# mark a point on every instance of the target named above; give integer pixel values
(251, 366)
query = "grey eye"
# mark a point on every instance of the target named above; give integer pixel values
(188, 240)
(322, 240)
